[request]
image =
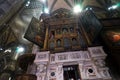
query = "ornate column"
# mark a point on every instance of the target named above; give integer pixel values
(55, 72)
(46, 38)
(41, 61)
(98, 56)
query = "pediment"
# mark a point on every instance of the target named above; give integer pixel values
(61, 13)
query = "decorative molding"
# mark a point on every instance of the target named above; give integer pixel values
(42, 57)
(89, 64)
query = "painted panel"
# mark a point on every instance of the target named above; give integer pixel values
(35, 32)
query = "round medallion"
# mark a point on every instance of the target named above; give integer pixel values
(52, 73)
(90, 70)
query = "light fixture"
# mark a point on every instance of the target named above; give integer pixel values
(8, 50)
(41, 12)
(43, 1)
(1, 49)
(114, 6)
(90, 8)
(20, 49)
(77, 9)
(109, 8)
(9, 78)
(86, 8)
(46, 10)
(27, 4)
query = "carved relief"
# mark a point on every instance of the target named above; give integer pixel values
(104, 73)
(89, 71)
(52, 72)
(41, 71)
(89, 68)
(41, 68)
(61, 13)
(97, 52)
(42, 56)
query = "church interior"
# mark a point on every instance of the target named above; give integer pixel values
(59, 40)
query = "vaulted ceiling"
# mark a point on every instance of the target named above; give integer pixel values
(56, 4)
